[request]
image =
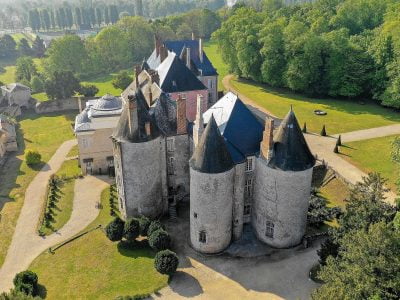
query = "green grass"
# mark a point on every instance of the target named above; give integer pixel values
(64, 205)
(7, 75)
(41, 97)
(211, 49)
(43, 133)
(92, 267)
(18, 36)
(335, 192)
(343, 115)
(74, 151)
(104, 84)
(373, 155)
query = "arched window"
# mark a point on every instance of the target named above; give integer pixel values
(202, 237)
(269, 229)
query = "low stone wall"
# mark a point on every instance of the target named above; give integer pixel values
(57, 105)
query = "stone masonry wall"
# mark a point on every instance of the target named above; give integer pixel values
(57, 106)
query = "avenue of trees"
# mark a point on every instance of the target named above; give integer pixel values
(337, 48)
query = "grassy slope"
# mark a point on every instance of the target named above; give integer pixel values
(104, 84)
(343, 116)
(92, 267)
(65, 203)
(44, 134)
(213, 54)
(373, 155)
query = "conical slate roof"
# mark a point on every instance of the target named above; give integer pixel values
(291, 152)
(211, 155)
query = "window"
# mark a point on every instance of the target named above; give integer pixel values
(247, 210)
(195, 215)
(269, 229)
(249, 164)
(85, 143)
(171, 161)
(202, 237)
(210, 83)
(248, 187)
(170, 145)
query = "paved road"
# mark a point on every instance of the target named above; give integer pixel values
(26, 245)
(371, 133)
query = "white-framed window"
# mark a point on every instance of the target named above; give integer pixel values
(248, 187)
(269, 229)
(202, 237)
(170, 145)
(210, 83)
(247, 209)
(250, 164)
(171, 165)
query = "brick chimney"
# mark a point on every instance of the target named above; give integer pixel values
(147, 128)
(154, 77)
(181, 123)
(188, 59)
(157, 44)
(150, 97)
(199, 123)
(193, 37)
(137, 73)
(132, 115)
(201, 53)
(267, 144)
(163, 53)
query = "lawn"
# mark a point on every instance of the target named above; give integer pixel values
(74, 151)
(43, 133)
(63, 210)
(343, 115)
(211, 49)
(104, 84)
(373, 155)
(7, 75)
(92, 267)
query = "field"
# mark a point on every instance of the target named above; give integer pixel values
(373, 155)
(43, 133)
(213, 54)
(92, 267)
(343, 115)
(104, 84)
(8, 74)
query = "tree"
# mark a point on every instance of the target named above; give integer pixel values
(184, 32)
(113, 14)
(106, 15)
(123, 15)
(34, 19)
(115, 230)
(99, 16)
(319, 212)
(23, 48)
(78, 17)
(166, 262)
(37, 84)
(144, 224)
(131, 229)
(88, 90)
(154, 226)
(33, 158)
(16, 295)
(7, 46)
(25, 69)
(61, 85)
(38, 47)
(45, 19)
(159, 240)
(122, 80)
(26, 282)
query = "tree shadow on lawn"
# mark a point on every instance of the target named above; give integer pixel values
(135, 249)
(185, 285)
(42, 291)
(339, 104)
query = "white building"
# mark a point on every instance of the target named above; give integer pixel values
(8, 137)
(16, 94)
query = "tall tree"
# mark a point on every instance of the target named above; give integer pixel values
(25, 69)
(78, 17)
(107, 15)
(45, 19)
(7, 46)
(113, 13)
(62, 85)
(38, 47)
(69, 19)
(99, 16)
(23, 47)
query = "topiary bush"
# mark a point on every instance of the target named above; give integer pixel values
(115, 230)
(26, 282)
(159, 240)
(33, 158)
(166, 262)
(132, 229)
(144, 224)
(154, 226)
(323, 131)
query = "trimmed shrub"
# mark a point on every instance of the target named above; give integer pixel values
(339, 141)
(336, 149)
(166, 262)
(144, 223)
(115, 230)
(88, 90)
(37, 84)
(159, 240)
(26, 282)
(323, 131)
(33, 158)
(154, 226)
(305, 128)
(131, 229)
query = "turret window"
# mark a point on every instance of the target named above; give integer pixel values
(269, 230)
(170, 145)
(247, 210)
(202, 237)
(171, 163)
(249, 164)
(248, 187)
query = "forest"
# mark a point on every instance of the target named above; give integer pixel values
(336, 48)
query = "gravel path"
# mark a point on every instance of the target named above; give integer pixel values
(26, 245)
(370, 133)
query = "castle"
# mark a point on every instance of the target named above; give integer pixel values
(234, 167)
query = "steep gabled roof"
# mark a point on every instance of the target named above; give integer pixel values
(240, 128)
(211, 155)
(205, 66)
(291, 152)
(176, 77)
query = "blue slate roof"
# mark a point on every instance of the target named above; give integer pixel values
(240, 128)
(206, 66)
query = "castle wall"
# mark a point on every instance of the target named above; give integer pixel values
(119, 178)
(191, 102)
(238, 201)
(281, 201)
(143, 170)
(211, 82)
(211, 207)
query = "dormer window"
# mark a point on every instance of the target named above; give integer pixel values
(174, 83)
(250, 164)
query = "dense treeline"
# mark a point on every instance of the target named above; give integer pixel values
(339, 48)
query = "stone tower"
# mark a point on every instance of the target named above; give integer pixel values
(212, 175)
(283, 185)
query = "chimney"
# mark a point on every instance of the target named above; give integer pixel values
(199, 123)
(201, 50)
(137, 72)
(193, 38)
(132, 115)
(150, 96)
(181, 123)
(267, 144)
(163, 53)
(155, 78)
(147, 128)
(188, 59)
(157, 44)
